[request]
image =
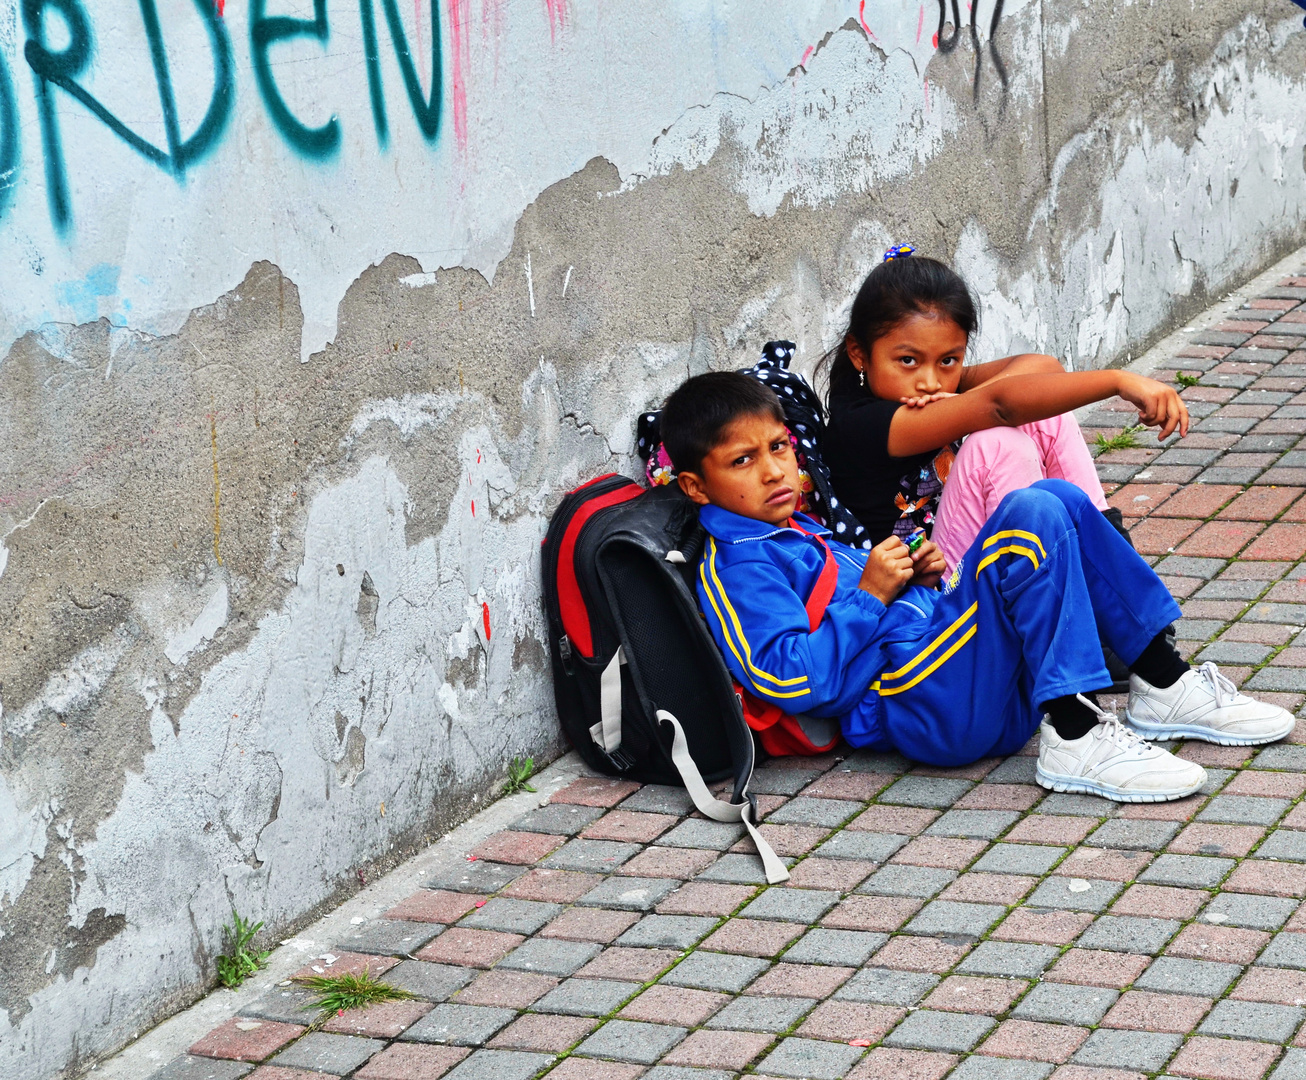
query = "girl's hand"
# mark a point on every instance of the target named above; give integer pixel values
(929, 565)
(924, 399)
(888, 568)
(1158, 405)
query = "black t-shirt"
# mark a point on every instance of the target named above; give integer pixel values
(888, 495)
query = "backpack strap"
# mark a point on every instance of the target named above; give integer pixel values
(607, 732)
(776, 871)
(823, 590)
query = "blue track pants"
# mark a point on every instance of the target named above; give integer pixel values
(1017, 625)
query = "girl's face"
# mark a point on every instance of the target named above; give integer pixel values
(919, 356)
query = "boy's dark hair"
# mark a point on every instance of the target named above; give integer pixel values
(701, 408)
(891, 292)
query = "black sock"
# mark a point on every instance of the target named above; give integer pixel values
(1117, 520)
(1071, 718)
(1159, 664)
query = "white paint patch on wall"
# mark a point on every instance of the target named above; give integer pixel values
(209, 621)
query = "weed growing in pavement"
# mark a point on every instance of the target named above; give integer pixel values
(519, 771)
(1185, 380)
(336, 993)
(1123, 441)
(243, 961)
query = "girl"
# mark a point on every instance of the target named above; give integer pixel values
(900, 401)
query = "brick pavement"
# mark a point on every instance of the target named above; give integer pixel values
(961, 923)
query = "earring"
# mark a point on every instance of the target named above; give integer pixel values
(861, 378)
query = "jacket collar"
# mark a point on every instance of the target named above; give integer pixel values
(731, 528)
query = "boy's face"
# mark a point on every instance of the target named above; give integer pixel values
(920, 356)
(751, 471)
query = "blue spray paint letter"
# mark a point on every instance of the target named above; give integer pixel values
(8, 139)
(426, 111)
(51, 69)
(264, 32)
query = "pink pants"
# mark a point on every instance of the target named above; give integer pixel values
(996, 461)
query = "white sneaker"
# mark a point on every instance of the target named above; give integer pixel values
(1114, 762)
(1204, 705)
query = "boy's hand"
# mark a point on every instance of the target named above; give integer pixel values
(1158, 405)
(888, 568)
(928, 565)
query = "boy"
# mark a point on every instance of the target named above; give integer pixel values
(945, 677)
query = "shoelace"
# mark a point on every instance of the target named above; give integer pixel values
(1224, 690)
(1123, 736)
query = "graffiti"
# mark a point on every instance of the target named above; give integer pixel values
(59, 70)
(264, 32)
(8, 138)
(947, 44)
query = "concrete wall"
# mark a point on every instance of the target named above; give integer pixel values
(301, 343)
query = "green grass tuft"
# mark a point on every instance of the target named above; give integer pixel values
(243, 961)
(337, 993)
(1123, 441)
(519, 771)
(1185, 380)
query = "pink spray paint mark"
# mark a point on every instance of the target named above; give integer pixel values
(927, 96)
(861, 18)
(807, 53)
(473, 508)
(222, 8)
(485, 618)
(557, 17)
(920, 25)
(459, 48)
(935, 40)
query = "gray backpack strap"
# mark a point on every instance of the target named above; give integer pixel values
(717, 810)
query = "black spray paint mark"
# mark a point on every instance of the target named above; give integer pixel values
(947, 44)
(426, 111)
(60, 69)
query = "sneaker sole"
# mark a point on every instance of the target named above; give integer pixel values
(1169, 732)
(1079, 786)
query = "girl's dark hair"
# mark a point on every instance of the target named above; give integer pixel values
(699, 411)
(891, 292)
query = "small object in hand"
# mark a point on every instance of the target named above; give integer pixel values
(915, 539)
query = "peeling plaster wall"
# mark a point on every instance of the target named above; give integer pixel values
(285, 413)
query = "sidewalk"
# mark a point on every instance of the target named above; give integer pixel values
(961, 923)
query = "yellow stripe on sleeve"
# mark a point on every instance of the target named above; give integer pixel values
(745, 660)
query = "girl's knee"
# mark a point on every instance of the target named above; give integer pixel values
(998, 446)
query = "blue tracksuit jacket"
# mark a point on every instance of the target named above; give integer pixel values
(949, 676)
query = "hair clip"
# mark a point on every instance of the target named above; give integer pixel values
(899, 251)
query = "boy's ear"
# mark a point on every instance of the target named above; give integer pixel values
(692, 485)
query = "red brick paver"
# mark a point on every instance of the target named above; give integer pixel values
(1160, 901)
(888, 1063)
(1227, 944)
(1034, 1042)
(968, 994)
(1279, 541)
(1140, 1010)
(1220, 539)
(1157, 534)
(384, 1020)
(522, 848)
(627, 825)
(674, 1005)
(245, 1039)
(1043, 927)
(882, 914)
(1197, 501)
(1223, 1059)
(412, 1061)
(471, 948)
(842, 1021)
(718, 1049)
(590, 924)
(1093, 967)
(1261, 504)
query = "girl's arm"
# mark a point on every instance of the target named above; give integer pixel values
(1011, 401)
(1021, 364)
